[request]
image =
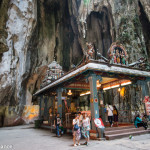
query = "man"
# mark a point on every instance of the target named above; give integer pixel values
(57, 124)
(110, 114)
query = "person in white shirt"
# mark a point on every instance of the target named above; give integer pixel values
(86, 128)
(80, 120)
(110, 114)
(76, 130)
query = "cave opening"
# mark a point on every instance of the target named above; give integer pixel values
(98, 31)
(146, 28)
(60, 23)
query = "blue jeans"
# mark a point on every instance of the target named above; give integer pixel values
(57, 130)
(110, 119)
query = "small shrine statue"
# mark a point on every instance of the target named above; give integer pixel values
(117, 54)
(90, 51)
(123, 59)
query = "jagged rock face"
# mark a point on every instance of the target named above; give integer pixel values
(3, 33)
(144, 15)
(20, 25)
(39, 30)
(119, 19)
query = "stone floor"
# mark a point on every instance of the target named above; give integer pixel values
(25, 137)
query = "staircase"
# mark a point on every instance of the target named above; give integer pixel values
(126, 131)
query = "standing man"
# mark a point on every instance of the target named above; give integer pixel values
(110, 114)
(57, 124)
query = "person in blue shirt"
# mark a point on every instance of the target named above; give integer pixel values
(57, 124)
(139, 123)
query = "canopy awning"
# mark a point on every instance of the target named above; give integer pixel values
(99, 67)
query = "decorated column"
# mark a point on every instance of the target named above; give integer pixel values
(96, 124)
(94, 102)
(102, 106)
(40, 103)
(46, 107)
(145, 96)
(59, 104)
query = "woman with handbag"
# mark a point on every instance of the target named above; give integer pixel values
(76, 130)
(86, 128)
(115, 114)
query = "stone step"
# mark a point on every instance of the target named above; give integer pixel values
(126, 134)
(119, 128)
(111, 132)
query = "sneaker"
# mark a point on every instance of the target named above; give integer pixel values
(78, 144)
(87, 144)
(75, 145)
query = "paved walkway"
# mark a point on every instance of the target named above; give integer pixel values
(25, 137)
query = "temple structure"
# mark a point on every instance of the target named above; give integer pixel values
(82, 89)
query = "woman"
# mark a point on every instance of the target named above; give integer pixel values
(86, 128)
(76, 130)
(110, 114)
(115, 114)
(139, 123)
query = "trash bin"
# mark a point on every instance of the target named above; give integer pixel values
(37, 123)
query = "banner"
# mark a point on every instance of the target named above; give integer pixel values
(99, 123)
(147, 105)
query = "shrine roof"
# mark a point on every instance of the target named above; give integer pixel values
(98, 67)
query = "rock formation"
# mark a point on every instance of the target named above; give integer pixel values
(33, 32)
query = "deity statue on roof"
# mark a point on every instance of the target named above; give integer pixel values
(123, 59)
(90, 51)
(118, 54)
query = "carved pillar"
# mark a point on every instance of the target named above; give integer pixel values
(102, 106)
(59, 104)
(94, 101)
(40, 103)
(145, 90)
(45, 107)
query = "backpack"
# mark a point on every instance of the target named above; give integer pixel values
(76, 127)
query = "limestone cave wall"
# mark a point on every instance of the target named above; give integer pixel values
(34, 32)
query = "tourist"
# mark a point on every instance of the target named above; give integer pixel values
(80, 120)
(57, 124)
(115, 115)
(145, 118)
(139, 123)
(110, 114)
(76, 130)
(86, 128)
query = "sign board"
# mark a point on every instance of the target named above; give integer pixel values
(99, 123)
(96, 100)
(147, 104)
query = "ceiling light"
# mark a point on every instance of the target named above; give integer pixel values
(69, 93)
(126, 83)
(85, 93)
